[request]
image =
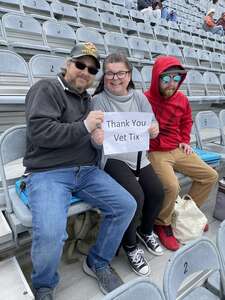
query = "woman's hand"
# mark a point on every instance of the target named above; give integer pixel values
(153, 130)
(98, 136)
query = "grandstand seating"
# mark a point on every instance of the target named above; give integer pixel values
(65, 12)
(14, 75)
(209, 132)
(45, 66)
(60, 37)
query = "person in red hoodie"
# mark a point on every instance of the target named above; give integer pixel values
(170, 151)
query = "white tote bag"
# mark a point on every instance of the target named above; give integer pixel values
(188, 222)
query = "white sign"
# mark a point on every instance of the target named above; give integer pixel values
(126, 132)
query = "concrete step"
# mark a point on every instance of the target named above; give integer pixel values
(13, 285)
(5, 230)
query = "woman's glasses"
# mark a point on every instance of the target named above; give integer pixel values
(167, 78)
(81, 66)
(120, 74)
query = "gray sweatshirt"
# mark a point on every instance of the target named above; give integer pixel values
(133, 102)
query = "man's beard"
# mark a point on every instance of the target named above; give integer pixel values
(167, 92)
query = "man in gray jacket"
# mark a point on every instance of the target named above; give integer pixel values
(61, 159)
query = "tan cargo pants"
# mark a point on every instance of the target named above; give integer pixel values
(202, 175)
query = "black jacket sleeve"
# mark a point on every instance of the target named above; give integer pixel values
(43, 115)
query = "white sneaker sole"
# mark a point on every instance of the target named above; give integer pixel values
(142, 275)
(149, 249)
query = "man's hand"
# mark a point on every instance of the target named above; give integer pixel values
(186, 148)
(94, 120)
(153, 130)
(98, 136)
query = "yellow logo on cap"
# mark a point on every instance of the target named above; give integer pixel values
(89, 49)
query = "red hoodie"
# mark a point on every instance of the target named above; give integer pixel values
(173, 114)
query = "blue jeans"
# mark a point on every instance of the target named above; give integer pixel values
(49, 194)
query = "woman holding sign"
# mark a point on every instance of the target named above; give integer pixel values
(116, 93)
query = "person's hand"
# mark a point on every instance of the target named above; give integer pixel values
(94, 120)
(185, 148)
(153, 130)
(98, 136)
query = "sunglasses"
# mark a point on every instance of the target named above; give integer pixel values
(167, 78)
(81, 66)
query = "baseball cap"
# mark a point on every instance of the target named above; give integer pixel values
(212, 10)
(86, 49)
(175, 69)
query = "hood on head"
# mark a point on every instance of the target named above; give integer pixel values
(161, 64)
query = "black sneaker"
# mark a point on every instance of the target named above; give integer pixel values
(150, 242)
(107, 278)
(44, 294)
(138, 262)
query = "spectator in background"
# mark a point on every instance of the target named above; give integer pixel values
(144, 5)
(210, 24)
(169, 16)
(157, 7)
(221, 21)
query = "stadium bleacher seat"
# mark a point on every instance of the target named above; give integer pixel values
(195, 83)
(24, 34)
(136, 289)
(157, 48)
(139, 49)
(39, 9)
(110, 22)
(121, 12)
(87, 3)
(137, 79)
(200, 255)
(204, 58)
(209, 133)
(89, 18)
(212, 84)
(45, 66)
(65, 12)
(128, 27)
(12, 147)
(161, 33)
(222, 125)
(146, 73)
(174, 50)
(145, 31)
(103, 6)
(10, 6)
(60, 37)
(116, 42)
(14, 75)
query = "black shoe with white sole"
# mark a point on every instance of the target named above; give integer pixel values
(150, 242)
(138, 262)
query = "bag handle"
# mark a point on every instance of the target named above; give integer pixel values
(138, 168)
(187, 197)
